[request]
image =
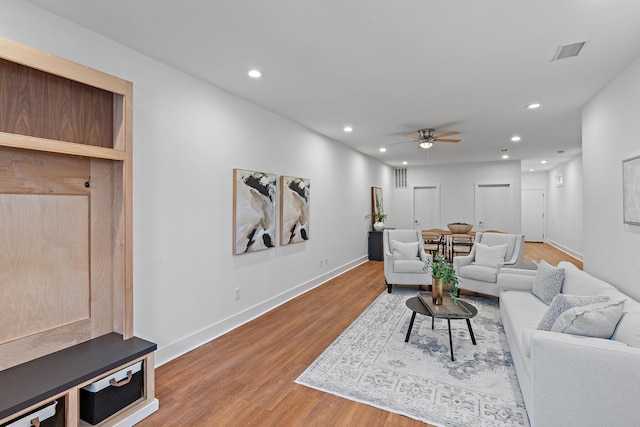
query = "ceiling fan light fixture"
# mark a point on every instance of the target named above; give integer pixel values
(425, 144)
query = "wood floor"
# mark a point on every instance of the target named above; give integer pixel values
(245, 378)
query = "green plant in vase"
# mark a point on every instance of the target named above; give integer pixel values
(378, 219)
(443, 274)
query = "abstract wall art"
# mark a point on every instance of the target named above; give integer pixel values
(294, 210)
(254, 211)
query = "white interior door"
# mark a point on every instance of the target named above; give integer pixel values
(494, 207)
(533, 215)
(426, 207)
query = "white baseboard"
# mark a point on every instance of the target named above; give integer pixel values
(188, 343)
(566, 250)
(140, 415)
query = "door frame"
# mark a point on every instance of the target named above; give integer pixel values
(544, 211)
(476, 212)
(437, 187)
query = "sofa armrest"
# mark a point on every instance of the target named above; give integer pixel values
(583, 381)
(516, 279)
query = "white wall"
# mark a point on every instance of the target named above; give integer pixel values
(535, 180)
(610, 134)
(565, 208)
(457, 191)
(188, 137)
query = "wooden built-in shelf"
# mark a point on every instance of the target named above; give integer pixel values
(66, 264)
(28, 385)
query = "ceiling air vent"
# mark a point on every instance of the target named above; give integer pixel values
(400, 178)
(568, 51)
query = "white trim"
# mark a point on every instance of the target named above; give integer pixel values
(413, 195)
(476, 213)
(184, 345)
(566, 250)
(139, 415)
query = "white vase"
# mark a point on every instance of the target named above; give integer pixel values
(378, 226)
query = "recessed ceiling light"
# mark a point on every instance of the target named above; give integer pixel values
(534, 106)
(515, 138)
(543, 161)
(531, 170)
(256, 74)
(382, 150)
(348, 129)
(505, 156)
(405, 162)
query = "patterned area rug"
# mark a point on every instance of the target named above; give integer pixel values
(370, 363)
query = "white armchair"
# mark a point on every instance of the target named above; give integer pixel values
(491, 252)
(404, 258)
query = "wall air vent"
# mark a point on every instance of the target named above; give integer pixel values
(568, 51)
(400, 177)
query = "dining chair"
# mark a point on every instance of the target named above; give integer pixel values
(460, 244)
(433, 241)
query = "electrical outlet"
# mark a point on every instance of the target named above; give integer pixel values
(237, 294)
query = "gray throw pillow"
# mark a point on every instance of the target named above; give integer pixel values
(562, 303)
(593, 320)
(548, 282)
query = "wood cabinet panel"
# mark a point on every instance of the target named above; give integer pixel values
(45, 283)
(43, 105)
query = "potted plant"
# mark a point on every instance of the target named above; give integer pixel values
(378, 220)
(443, 274)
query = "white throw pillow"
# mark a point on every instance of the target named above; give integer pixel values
(490, 256)
(562, 303)
(628, 329)
(402, 250)
(593, 320)
(548, 282)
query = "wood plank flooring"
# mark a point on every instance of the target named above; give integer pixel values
(245, 378)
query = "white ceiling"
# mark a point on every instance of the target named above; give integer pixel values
(388, 68)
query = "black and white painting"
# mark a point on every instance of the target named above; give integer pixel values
(254, 211)
(631, 190)
(294, 209)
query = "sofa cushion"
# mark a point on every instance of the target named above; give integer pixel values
(408, 266)
(628, 329)
(479, 272)
(548, 282)
(401, 250)
(562, 303)
(592, 320)
(490, 256)
(577, 282)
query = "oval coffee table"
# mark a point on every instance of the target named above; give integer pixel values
(444, 311)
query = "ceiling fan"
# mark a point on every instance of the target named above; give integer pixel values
(426, 138)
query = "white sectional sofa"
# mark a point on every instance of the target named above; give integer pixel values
(570, 380)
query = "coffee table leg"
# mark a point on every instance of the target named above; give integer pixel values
(473, 338)
(450, 340)
(413, 317)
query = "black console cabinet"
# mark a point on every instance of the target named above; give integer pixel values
(376, 252)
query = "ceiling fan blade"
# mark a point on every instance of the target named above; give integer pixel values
(447, 134)
(455, 141)
(414, 136)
